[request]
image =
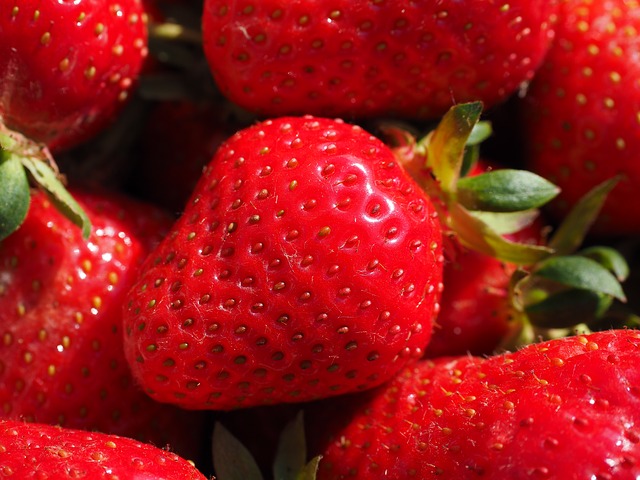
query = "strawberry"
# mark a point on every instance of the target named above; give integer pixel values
(67, 67)
(565, 408)
(307, 263)
(581, 110)
(377, 58)
(476, 310)
(61, 356)
(45, 451)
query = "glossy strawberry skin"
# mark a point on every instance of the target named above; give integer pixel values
(378, 58)
(306, 264)
(580, 112)
(61, 355)
(567, 408)
(67, 67)
(44, 451)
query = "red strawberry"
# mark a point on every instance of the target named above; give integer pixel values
(307, 264)
(61, 354)
(582, 108)
(566, 408)
(476, 309)
(392, 57)
(67, 67)
(44, 451)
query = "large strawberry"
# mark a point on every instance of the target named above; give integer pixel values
(376, 58)
(581, 110)
(61, 355)
(45, 451)
(306, 264)
(67, 67)
(567, 408)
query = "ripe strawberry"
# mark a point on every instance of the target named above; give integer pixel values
(44, 451)
(566, 408)
(306, 264)
(67, 67)
(378, 58)
(476, 309)
(61, 354)
(581, 110)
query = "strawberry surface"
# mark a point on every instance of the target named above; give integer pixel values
(375, 58)
(50, 452)
(307, 263)
(67, 67)
(581, 110)
(61, 355)
(566, 408)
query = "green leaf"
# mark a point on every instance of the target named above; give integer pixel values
(505, 223)
(609, 258)
(446, 144)
(47, 179)
(572, 231)
(310, 470)
(505, 190)
(291, 455)
(231, 459)
(579, 272)
(477, 235)
(568, 308)
(15, 195)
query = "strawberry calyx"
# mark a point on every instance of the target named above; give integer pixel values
(25, 164)
(556, 286)
(232, 460)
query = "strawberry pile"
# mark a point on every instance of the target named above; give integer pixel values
(365, 239)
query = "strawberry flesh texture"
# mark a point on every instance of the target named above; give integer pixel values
(44, 451)
(67, 67)
(306, 264)
(581, 111)
(567, 408)
(366, 59)
(61, 357)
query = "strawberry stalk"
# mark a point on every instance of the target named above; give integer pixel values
(555, 283)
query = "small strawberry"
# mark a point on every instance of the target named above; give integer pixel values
(45, 451)
(476, 310)
(375, 58)
(566, 408)
(67, 67)
(307, 263)
(61, 355)
(581, 110)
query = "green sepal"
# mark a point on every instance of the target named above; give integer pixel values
(231, 459)
(15, 195)
(48, 180)
(310, 470)
(479, 133)
(505, 223)
(477, 235)
(610, 258)
(571, 233)
(566, 308)
(505, 190)
(445, 145)
(291, 454)
(579, 272)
